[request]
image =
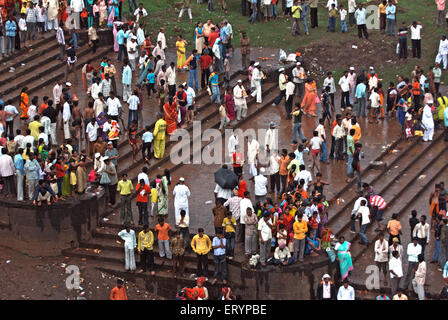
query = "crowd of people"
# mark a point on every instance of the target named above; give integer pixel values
(63, 149)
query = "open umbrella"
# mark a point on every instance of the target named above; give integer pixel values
(226, 178)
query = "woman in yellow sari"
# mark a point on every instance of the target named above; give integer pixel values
(181, 49)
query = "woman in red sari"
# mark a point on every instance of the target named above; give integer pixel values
(170, 116)
(309, 100)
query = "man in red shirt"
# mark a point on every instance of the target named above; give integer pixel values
(205, 60)
(212, 37)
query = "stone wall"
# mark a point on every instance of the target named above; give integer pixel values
(46, 230)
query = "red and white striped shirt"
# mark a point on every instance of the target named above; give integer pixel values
(377, 201)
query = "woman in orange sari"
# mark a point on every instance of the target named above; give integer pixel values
(309, 100)
(24, 104)
(170, 116)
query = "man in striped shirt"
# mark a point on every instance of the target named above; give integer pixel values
(133, 102)
(403, 41)
(377, 204)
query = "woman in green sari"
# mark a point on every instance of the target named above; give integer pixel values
(344, 257)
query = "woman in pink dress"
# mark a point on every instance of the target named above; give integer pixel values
(115, 26)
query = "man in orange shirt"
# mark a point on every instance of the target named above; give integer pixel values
(300, 229)
(163, 238)
(44, 105)
(283, 171)
(118, 292)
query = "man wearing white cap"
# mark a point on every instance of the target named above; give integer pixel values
(132, 51)
(260, 186)
(256, 78)
(239, 96)
(282, 80)
(181, 193)
(271, 137)
(253, 147)
(298, 74)
(326, 289)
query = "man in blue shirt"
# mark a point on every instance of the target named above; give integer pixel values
(147, 141)
(361, 97)
(121, 35)
(20, 172)
(214, 87)
(219, 255)
(390, 18)
(193, 65)
(360, 16)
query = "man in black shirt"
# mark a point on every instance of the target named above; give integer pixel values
(51, 113)
(403, 41)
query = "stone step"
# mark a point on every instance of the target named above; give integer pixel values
(48, 80)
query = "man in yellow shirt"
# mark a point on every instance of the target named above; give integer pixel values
(145, 249)
(300, 229)
(229, 224)
(295, 10)
(201, 245)
(125, 188)
(382, 15)
(34, 127)
(159, 137)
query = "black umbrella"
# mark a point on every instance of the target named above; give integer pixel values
(227, 179)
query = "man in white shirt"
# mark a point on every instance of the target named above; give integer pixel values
(57, 92)
(244, 204)
(364, 213)
(239, 96)
(158, 51)
(91, 135)
(265, 236)
(132, 52)
(413, 251)
(329, 82)
(253, 147)
(231, 144)
(416, 39)
(352, 80)
(99, 105)
(140, 8)
(395, 272)
(355, 210)
(76, 6)
(144, 176)
(181, 194)
(443, 51)
(260, 186)
(346, 291)
(171, 79)
(422, 231)
(161, 38)
(96, 88)
(133, 102)
(27, 139)
(271, 137)
(66, 116)
(344, 83)
(382, 255)
(290, 89)
(274, 169)
(10, 119)
(222, 194)
(321, 134)
(298, 74)
(304, 175)
(113, 106)
(256, 79)
(43, 135)
(374, 105)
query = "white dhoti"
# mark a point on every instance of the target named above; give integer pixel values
(257, 92)
(252, 169)
(67, 130)
(129, 259)
(441, 57)
(428, 134)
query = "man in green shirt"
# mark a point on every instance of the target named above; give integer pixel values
(125, 188)
(350, 152)
(295, 10)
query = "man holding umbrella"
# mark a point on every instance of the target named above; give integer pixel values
(222, 192)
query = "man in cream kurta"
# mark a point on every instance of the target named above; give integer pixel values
(239, 96)
(253, 147)
(52, 14)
